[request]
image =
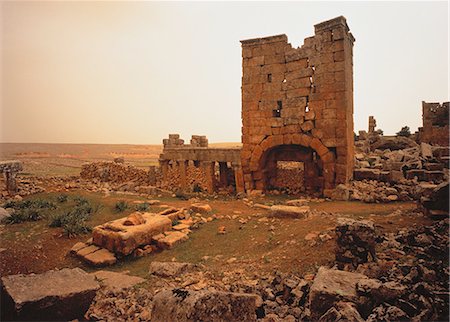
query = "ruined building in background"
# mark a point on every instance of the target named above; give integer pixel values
(297, 107)
(435, 128)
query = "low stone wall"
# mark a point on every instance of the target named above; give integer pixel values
(113, 172)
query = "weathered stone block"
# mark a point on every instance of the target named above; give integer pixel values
(121, 239)
(331, 286)
(183, 305)
(54, 295)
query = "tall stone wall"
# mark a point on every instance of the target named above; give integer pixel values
(299, 97)
(435, 128)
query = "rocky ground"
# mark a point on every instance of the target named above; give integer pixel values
(407, 281)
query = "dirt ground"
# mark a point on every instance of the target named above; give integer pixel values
(252, 240)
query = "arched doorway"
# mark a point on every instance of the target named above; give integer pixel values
(291, 168)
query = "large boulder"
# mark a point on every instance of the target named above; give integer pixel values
(54, 295)
(183, 305)
(437, 204)
(331, 286)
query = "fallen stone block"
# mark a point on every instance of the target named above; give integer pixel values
(169, 269)
(288, 211)
(297, 202)
(366, 174)
(434, 176)
(116, 281)
(121, 239)
(171, 239)
(54, 295)
(82, 252)
(101, 257)
(419, 173)
(331, 286)
(342, 311)
(201, 208)
(183, 305)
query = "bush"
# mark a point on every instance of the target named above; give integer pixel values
(73, 221)
(121, 206)
(81, 201)
(142, 206)
(62, 198)
(27, 204)
(27, 210)
(405, 131)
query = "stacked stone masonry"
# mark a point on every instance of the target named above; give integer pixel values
(195, 165)
(435, 128)
(297, 105)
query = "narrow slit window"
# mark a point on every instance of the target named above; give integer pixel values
(269, 78)
(277, 111)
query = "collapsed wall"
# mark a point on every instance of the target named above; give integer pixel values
(297, 105)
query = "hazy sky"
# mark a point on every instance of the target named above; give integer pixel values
(121, 72)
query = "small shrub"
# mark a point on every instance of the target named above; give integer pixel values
(175, 222)
(15, 218)
(81, 201)
(62, 198)
(76, 227)
(27, 210)
(405, 131)
(121, 206)
(142, 206)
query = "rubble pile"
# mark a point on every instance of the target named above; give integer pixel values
(195, 179)
(356, 240)
(423, 162)
(371, 191)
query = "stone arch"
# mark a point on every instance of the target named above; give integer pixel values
(326, 156)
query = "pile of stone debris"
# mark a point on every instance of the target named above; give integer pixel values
(407, 279)
(423, 162)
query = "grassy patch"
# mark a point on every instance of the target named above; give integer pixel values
(121, 206)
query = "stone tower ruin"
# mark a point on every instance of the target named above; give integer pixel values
(297, 105)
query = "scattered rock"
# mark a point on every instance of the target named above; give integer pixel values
(169, 269)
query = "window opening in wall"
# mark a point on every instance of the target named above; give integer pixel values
(284, 80)
(277, 112)
(307, 105)
(269, 78)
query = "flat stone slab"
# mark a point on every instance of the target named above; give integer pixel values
(101, 257)
(171, 239)
(122, 239)
(288, 211)
(169, 269)
(183, 305)
(117, 281)
(331, 286)
(54, 295)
